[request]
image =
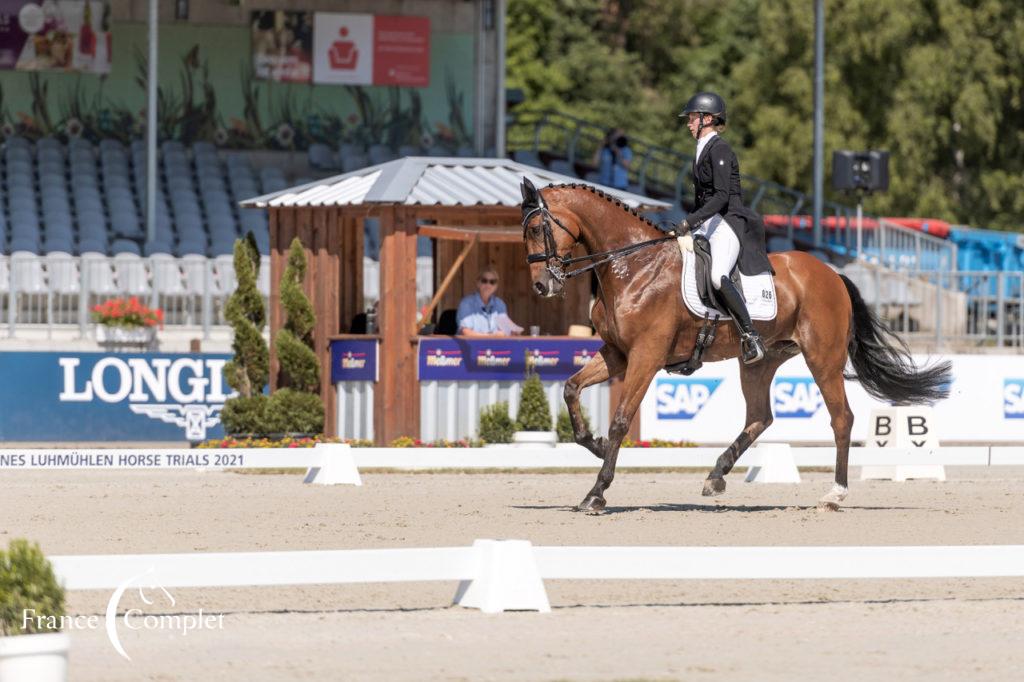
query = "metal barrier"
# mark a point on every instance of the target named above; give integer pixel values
(59, 289)
(944, 307)
(451, 409)
(666, 172)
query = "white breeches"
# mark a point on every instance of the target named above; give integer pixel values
(725, 247)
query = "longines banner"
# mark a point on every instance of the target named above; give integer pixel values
(111, 396)
(986, 404)
(503, 359)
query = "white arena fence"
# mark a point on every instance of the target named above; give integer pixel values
(59, 290)
(342, 457)
(500, 575)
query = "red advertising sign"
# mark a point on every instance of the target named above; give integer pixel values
(401, 51)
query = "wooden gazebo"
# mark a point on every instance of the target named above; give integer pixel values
(470, 206)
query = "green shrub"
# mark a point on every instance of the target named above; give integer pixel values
(27, 583)
(296, 407)
(249, 369)
(534, 412)
(564, 425)
(496, 426)
(293, 411)
(245, 415)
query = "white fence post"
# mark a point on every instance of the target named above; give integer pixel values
(507, 579)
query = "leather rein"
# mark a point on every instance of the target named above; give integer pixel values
(558, 270)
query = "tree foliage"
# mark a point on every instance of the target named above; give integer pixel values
(938, 83)
(296, 407)
(249, 369)
(27, 584)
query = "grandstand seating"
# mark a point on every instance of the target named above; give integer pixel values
(83, 198)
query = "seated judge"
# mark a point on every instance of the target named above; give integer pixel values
(483, 313)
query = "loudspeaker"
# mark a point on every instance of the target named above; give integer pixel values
(864, 171)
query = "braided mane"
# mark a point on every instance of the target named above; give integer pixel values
(604, 195)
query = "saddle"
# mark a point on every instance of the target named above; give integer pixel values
(700, 294)
(701, 297)
(702, 273)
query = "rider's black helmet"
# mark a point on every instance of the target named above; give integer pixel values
(706, 103)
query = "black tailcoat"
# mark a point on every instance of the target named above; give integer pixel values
(716, 188)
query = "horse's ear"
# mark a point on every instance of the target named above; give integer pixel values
(529, 192)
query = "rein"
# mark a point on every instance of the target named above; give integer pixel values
(561, 262)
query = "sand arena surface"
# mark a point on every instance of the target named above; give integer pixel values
(598, 630)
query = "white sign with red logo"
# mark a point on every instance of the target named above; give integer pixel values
(343, 48)
(364, 49)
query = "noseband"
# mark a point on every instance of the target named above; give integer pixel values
(556, 265)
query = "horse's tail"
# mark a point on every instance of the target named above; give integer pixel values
(882, 363)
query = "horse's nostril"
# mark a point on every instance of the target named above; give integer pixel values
(540, 287)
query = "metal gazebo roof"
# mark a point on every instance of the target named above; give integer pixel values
(432, 181)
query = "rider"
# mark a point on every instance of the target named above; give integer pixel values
(734, 231)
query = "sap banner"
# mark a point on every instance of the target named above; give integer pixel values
(986, 403)
(111, 396)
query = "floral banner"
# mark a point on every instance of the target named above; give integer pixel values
(68, 35)
(282, 46)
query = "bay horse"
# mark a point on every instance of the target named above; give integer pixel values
(645, 325)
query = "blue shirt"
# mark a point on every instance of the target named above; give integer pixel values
(473, 314)
(611, 173)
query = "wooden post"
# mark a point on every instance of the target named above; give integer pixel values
(448, 278)
(397, 397)
(278, 247)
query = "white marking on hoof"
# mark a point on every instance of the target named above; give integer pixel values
(835, 496)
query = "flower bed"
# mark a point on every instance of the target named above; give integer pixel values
(127, 313)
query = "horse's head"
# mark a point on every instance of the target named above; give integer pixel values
(549, 234)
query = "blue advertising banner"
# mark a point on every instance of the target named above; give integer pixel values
(111, 396)
(354, 360)
(503, 359)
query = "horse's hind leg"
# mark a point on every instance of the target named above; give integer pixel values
(607, 363)
(756, 381)
(828, 374)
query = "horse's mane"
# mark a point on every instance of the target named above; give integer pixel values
(607, 197)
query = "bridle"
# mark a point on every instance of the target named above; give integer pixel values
(558, 269)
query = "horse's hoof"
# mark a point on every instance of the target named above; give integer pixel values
(830, 501)
(591, 505)
(713, 486)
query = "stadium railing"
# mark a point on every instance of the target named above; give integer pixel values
(570, 143)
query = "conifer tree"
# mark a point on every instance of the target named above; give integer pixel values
(296, 407)
(249, 369)
(534, 411)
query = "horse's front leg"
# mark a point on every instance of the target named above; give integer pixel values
(608, 363)
(641, 366)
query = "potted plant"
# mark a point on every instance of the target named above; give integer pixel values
(496, 426)
(31, 611)
(126, 322)
(533, 423)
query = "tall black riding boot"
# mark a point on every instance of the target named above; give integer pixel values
(752, 346)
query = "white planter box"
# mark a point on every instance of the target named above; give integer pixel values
(107, 335)
(535, 439)
(39, 658)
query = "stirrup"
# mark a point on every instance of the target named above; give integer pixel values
(752, 348)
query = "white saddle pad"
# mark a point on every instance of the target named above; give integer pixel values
(758, 290)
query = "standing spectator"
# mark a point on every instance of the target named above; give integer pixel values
(613, 159)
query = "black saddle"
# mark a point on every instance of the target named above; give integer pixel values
(706, 290)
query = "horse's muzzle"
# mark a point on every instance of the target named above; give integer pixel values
(541, 288)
